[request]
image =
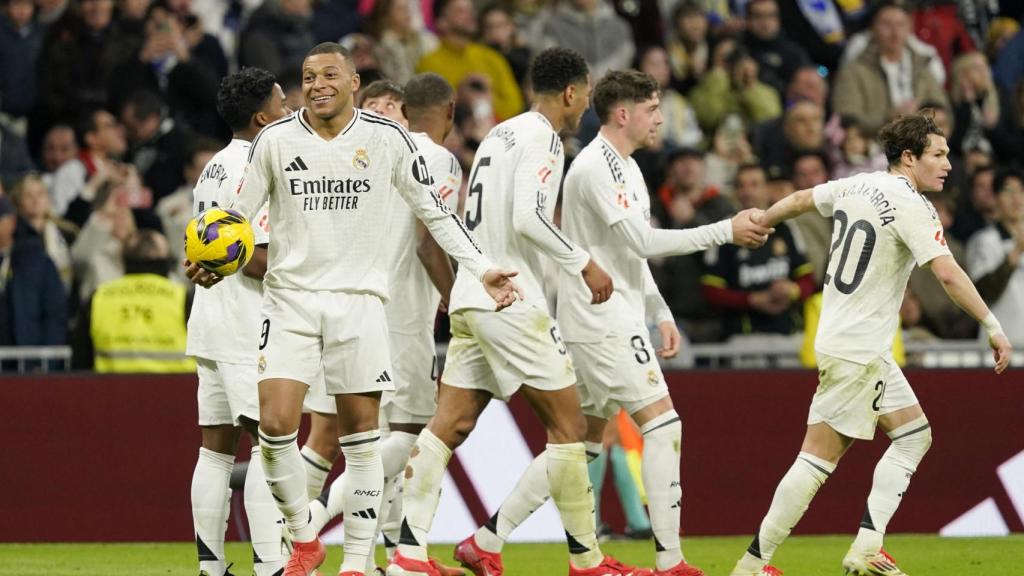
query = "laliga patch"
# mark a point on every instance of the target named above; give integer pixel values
(361, 161)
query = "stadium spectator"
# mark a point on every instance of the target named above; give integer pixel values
(1009, 65)
(76, 63)
(589, 27)
(96, 253)
(857, 153)
(777, 57)
(1003, 30)
(686, 201)
(887, 78)
(498, 30)
(680, 128)
(808, 84)
(334, 19)
(810, 169)
(994, 255)
(730, 149)
(175, 209)
(20, 42)
(101, 139)
(31, 199)
(399, 45)
(33, 305)
(802, 129)
(166, 65)
(687, 46)
(937, 24)
(459, 57)
(731, 86)
(936, 314)
(977, 209)
(59, 147)
(157, 145)
(758, 289)
(277, 37)
(821, 28)
(50, 11)
(136, 323)
(984, 116)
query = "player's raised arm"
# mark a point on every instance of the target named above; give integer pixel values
(789, 207)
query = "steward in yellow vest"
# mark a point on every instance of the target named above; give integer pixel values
(138, 321)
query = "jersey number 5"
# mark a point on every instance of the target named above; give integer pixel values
(845, 237)
(475, 212)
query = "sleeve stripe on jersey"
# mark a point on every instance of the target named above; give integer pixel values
(544, 219)
(282, 121)
(554, 138)
(374, 119)
(462, 226)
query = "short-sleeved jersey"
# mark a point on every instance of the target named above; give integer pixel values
(224, 325)
(331, 203)
(601, 189)
(414, 299)
(882, 226)
(509, 207)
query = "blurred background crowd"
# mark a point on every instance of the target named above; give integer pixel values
(108, 115)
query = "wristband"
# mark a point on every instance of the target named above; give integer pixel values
(992, 325)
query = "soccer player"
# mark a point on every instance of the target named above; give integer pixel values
(223, 332)
(606, 209)
(512, 190)
(321, 448)
(421, 279)
(884, 225)
(331, 173)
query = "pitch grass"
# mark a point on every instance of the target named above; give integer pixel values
(922, 555)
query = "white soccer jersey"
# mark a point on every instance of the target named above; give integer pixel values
(511, 200)
(414, 299)
(882, 227)
(331, 203)
(225, 321)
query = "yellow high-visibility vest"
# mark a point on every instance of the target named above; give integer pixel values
(138, 325)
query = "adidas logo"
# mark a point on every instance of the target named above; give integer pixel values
(384, 377)
(297, 165)
(369, 514)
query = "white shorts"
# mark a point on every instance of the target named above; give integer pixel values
(851, 396)
(340, 335)
(318, 400)
(415, 360)
(620, 371)
(227, 392)
(500, 351)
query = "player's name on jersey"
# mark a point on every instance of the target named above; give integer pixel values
(328, 193)
(886, 211)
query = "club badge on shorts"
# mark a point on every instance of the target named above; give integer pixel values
(652, 378)
(261, 366)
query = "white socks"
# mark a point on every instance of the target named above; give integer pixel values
(528, 494)
(570, 489)
(794, 493)
(286, 476)
(264, 519)
(211, 504)
(361, 495)
(317, 469)
(663, 435)
(909, 444)
(422, 492)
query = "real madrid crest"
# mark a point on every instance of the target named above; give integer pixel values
(652, 378)
(361, 161)
(262, 365)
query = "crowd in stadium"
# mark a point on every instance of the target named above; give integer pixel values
(108, 115)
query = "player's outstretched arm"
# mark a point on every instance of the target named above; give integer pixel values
(436, 263)
(648, 242)
(789, 207)
(499, 285)
(958, 286)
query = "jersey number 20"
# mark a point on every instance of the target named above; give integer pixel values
(845, 237)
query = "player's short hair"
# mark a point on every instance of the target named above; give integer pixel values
(1004, 174)
(243, 94)
(908, 132)
(555, 69)
(427, 90)
(332, 48)
(622, 86)
(382, 87)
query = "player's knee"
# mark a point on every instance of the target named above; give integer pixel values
(274, 424)
(912, 440)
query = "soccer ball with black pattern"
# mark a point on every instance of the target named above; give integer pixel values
(219, 240)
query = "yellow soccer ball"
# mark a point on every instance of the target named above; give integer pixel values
(219, 240)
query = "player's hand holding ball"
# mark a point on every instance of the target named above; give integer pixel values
(747, 230)
(499, 285)
(218, 243)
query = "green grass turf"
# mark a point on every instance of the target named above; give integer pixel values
(800, 556)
